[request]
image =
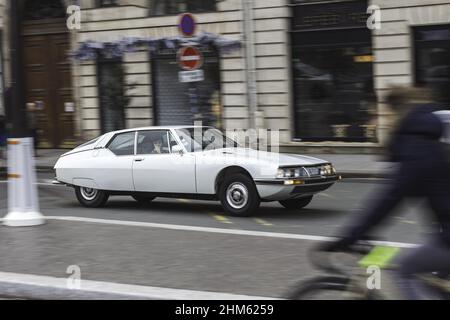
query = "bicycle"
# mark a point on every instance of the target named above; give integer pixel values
(353, 285)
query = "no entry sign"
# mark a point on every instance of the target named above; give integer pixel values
(190, 58)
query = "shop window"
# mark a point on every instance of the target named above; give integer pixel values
(432, 47)
(44, 9)
(172, 7)
(334, 98)
(182, 103)
(112, 98)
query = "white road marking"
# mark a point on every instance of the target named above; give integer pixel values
(108, 288)
(219, 230)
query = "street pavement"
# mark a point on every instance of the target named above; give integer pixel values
(187, 245)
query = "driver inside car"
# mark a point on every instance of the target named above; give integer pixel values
(157, 144)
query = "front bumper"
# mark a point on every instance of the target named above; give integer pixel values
(283, 189)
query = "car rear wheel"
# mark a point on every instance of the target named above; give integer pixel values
(238, 195)
(143, 199)
(296, 203)
(91, 198)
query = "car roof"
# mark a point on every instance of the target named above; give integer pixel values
(158, 128)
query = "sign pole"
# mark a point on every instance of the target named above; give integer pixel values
(190, 59)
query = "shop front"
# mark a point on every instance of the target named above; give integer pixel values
(332, 63)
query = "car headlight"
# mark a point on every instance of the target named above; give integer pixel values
(291, 173)
(327, 170)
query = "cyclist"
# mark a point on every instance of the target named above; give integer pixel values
(423, 171)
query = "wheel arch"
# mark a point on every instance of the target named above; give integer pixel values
(227, 171)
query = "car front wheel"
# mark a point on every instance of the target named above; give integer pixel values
(238, 195)
(296, 203)
(91, 198)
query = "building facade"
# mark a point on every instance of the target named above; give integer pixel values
(320, 74)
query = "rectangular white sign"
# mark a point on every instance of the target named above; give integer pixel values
(191, 76)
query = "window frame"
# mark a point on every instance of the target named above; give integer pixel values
(165, 14)
(118, 134)
(168, 133)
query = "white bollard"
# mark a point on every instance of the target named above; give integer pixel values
(23, 204)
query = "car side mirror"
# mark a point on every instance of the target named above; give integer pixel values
(178, 149)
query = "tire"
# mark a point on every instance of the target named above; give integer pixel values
(238, 195)
(329, 288)
(143, 199)
(91, 198)
(322, 288)
(296, 203)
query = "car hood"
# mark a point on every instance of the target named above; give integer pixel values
(281, 159)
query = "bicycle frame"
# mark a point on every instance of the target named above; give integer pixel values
(351, 283)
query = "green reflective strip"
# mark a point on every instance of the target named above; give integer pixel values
(380, 256)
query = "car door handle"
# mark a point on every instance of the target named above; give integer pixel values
(139, 159)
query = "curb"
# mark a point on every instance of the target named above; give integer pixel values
(37, 292)
(38, 287)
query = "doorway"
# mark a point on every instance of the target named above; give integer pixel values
(47, 70)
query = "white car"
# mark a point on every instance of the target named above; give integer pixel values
(190, 162)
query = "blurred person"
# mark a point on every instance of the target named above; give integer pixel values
(32, 118)
(423, 172)
(5, 122)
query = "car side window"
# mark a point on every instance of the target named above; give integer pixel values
(154, 142)
(123, 144)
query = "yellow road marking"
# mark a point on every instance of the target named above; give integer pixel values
(184, 200)
(221, 218)
(263, 222)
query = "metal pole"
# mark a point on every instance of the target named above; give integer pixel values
(18, 112)
(250, 61)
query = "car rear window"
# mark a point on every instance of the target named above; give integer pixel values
(122, 144)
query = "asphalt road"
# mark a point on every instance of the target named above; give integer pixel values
(170, 244)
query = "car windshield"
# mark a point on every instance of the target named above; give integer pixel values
(202, 139)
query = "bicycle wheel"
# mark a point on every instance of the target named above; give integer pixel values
(326, 288)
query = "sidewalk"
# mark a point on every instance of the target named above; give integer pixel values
(348, 165)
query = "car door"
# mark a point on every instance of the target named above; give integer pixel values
(157, 169)
(113, 164)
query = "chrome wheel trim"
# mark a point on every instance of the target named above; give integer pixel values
(88, 194)
(237, 195)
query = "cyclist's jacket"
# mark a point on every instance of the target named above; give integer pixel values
(424, 171)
